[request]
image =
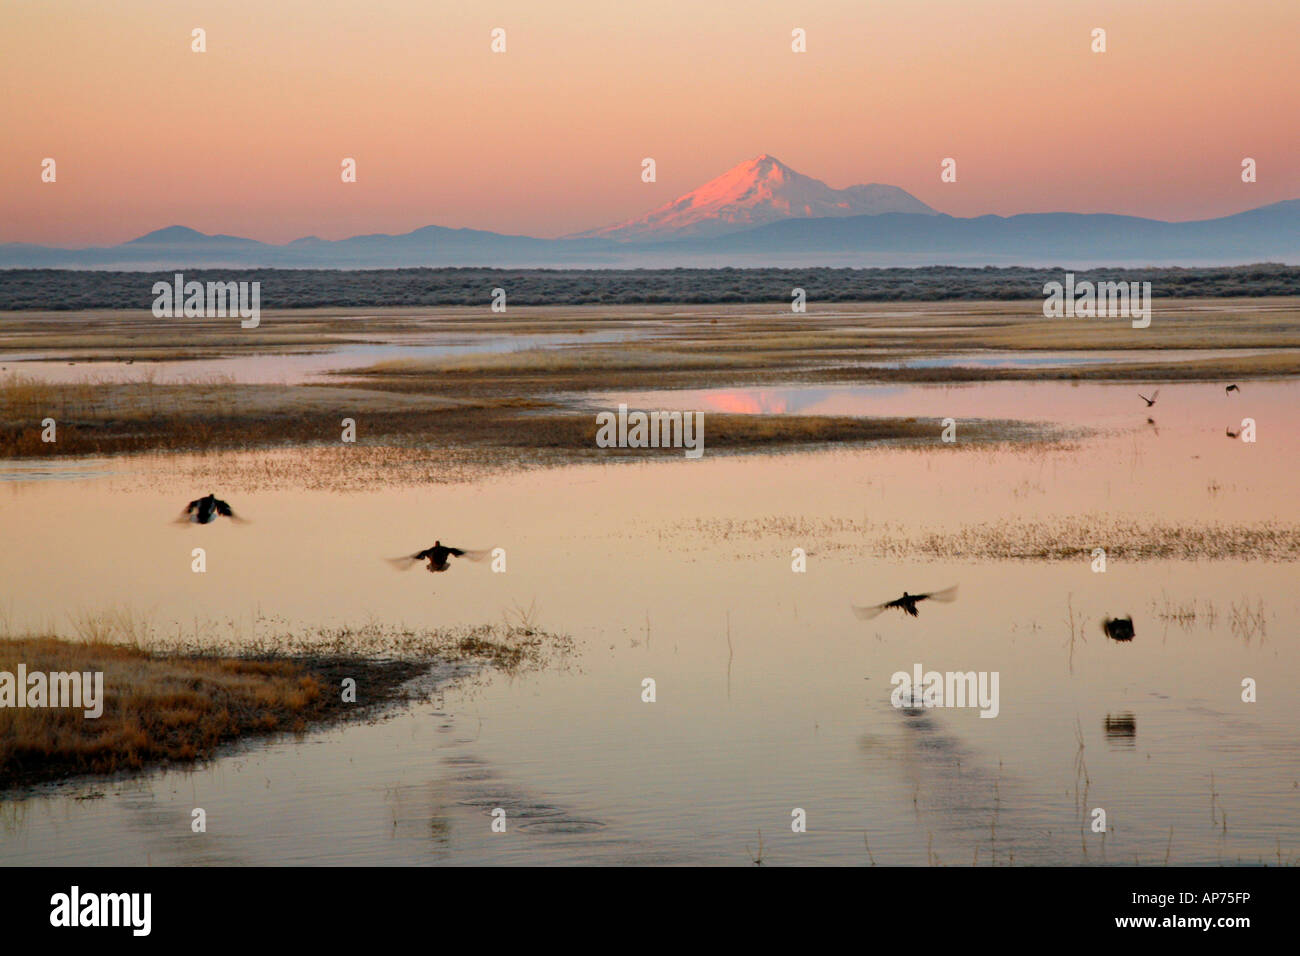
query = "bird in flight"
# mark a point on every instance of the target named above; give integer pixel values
(437, 556)
(1152, 400)
(1231, 434)
(907, 603)
(206, 510)
(1232, 388)
(1118, 628)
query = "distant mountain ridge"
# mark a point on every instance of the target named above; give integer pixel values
(1270, 232)
(760, 213)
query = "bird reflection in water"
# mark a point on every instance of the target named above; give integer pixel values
(1121, 730)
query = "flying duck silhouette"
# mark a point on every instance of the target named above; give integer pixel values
(1152, 400)
(1232, 388)
(206, 510)
(907, 603)
(437, 556)
(1231, 434)
(1118, 628)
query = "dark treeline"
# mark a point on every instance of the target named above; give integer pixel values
(63, 289)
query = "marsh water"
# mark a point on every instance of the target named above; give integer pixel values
(771, 694)
(292, 366)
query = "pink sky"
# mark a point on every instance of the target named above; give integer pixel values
(548, 138)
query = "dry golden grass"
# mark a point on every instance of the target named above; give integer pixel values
(121, 332)
(1217, 369)
(485, 402)
(1058, 538)
(181, 704)
(694, 347)
(340, 467)
(97, 418)
(118, 625)
(1068, 538)
(155, 710)
(100, 418)
(640, 357)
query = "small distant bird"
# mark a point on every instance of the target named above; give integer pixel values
(437, 557)
(1232, 388)
(907, 603)
(1152, 400)
(205, 510)
(1231, 434)
(1118, 628)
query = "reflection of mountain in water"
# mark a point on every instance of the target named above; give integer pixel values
(767, 401)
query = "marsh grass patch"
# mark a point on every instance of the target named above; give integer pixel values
(180, 703)
(1051, 538)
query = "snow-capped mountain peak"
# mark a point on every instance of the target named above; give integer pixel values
(756, 192)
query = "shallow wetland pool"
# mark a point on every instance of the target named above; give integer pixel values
(770, 694)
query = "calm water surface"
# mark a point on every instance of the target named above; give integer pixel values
(300, 365)
(771, 694)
